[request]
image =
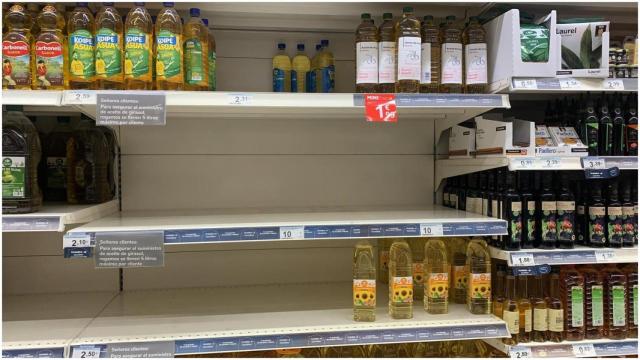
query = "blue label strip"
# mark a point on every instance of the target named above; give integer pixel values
(559, 258)
(601, 173)
(616, 349)
(34, 353)
(30, 224)
(440, 100)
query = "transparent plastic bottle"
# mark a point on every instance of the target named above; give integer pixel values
(479, 286)
(326, 71)
(451, 67)
(300, 66)
(436, 270)
(383, 260)
(459, 274)
(386, 55)
(572, 290)
(55, 159)
(594, 302)
(366, 55)
(555, 310)
(364, 283)
(281, 70)
(615, 303)
(21, 154)
(212, 57)
(525, 308)
(169, 59)
(511, 311)
(408, 50)
(62, 10)
(50, 51)
(16, 45)
(417, 254)
(109, 48)
(400, 281)
(138, 46)
(82, 67)
(475, 57)
(34, 11)
(430, 57)
(196, 53)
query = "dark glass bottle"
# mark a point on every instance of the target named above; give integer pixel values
(556, 311)
(590, 127)
(582, 211)
(594, 302)
(605, 142)
(547, 214)
(484, 200)
(631, 126)
(528, 210)
(490, 193)
(548, 115)
(540, 314)
(566, 207)
(597, 217)
(580, 108)
(55, 161)
(512, 213)
(634, 199)
(497, 210)
(628, 226)
(462, 193)
(614, 229)
(453, 193)
(617, 114)
(445, 192)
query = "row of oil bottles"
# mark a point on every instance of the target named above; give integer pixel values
(72, 164)
(304, 74)
(50, 49)
(417, 269)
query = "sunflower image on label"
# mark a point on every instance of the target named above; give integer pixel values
(364, 292)
(402, 289)
(566, 220)
(548, 221)
(480, 285)
(137, 55)
(168, 55)
(614, 224)
(108, 53)
(460, 277)
(512, 318)
(49, 64)
(597, 224)
(13, 177)
(418, 274)
(81, 55)
(438, 285)
(15, 63)
(194, 68)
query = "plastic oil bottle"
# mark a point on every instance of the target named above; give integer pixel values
(594, 302)
(212, 57)
(81, 48)
(366, 55)
(34, 11)
(451, 69)
(311, 75)
(631, 270)
(459, 277)
(364, 283)
(417, 255)
(408, 49)
(196, 53)
(138, 49)
(109, 48)
(479, 287)
(572, 290)
(475, 57)
(400, 281)
(114, 150)
(510, 311)
(386, 55)
(20, 157)
(436, 270)
(50, 51)
(430, 56)
(16, 44)
(281, 69)
(616, 303)
(383, 260)
(300, 66)
(326, 71)
(55, 158)
(169, 60)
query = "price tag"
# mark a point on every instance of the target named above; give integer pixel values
(78, 97)
(380, 108)
(550, 163)
(76, 240)
(431, 230)
(613, 84)
(291, 232)
(605, 256)
(525, 84)
(593, 163)
(519, 352)
(522, 164)
(239, 99)
(522, 259)
(584, 350)
(86, 353)
(569, 84)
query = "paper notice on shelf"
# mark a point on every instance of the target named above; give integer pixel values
(131, 109)
(157, 349)
(125, 249)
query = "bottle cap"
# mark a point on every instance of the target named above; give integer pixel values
(365, 16)
(206, 22)
(82, 4)
(387, 16)
(194, 12)
(168, 4)
(107, 3)
(282, 46)
(324, 43)
(300, 47)
(407, 9)
(428, 18)
(318, 47)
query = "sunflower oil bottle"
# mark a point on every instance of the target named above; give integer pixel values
(474, 38)
(62, 10)
(196, 53)
(109, 48)
(430, 56)
(451, 69)
(300, 66)
(457, 256)
(20, 157)
(169, 60)
(417, 254)
(326, 71)
(400, 281)
(386, 55)
(50, 49)
(138, 49)
(212, 57)
(408, 40)
(366, 55)
(281, 69)
(34, 11)
(16, 54)
(383, 260)
(81, 47)
(479, 285)
(364, 283)
(436, 273)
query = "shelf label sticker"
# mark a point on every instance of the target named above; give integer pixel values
(584, 350)
(525, 84)
(131, 109)
(522, 259)
(569, 84)
(431, 230)
(78, 97)
(239, 99)
(127, 249)
(88, 352)
(522, 163)
(157, 349)
(380, 108)
(601, 173)
(291, 232)
(613, 84)
(75, 240)
(591, 162)
(550, 163)
(605, 256)
(520, 352)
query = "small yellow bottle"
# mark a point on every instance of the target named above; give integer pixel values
(169, 61)
(138, 52)
(16, 57)
(436, 273)
(281, 70)
(109, 48)
(81, 47)
(196, 49)
(49, 51)
(300, 66)
(400, 281)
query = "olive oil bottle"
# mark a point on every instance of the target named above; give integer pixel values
(408, 50)
(597, 217)
(525, 308)
(566, 209)
(572, 289)
(430, 56)
(512, 213)
(615, 303)
(547, 214)
(540, 313)
(615, 220)
(594, 302)
(555, 310)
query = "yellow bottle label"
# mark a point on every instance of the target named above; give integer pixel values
(479, 286)
(364, 292)
(81, 55)
(460, 277)
(540, 319)
(402, 289)
(438, 285)
(137, 57)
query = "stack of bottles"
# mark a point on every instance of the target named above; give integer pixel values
(572, 303)
(301, 74)
(409, 56)
(74, 165)
(49, 49)
(623, 58)
(549, 210)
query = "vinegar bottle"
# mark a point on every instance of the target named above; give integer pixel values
(451, 69)
(50, 49)
(364, 283)
(525, 308)
(400, 281)
(475, 57)
(572, 290)
(436, 269)
(540, 313)
(408, 41)
(81, 48)
(479, 287)
(386, 55)
(16, 54)
(109, 48)
(510, 311)
(138, 56)
(615, 326)
(555, 310)
(366, 56)
(196, 50)
(430, 56)
(594, 302)
(169, 59)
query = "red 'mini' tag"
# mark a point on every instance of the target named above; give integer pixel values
(380, 107)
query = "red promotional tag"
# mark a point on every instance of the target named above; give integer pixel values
(380, 107)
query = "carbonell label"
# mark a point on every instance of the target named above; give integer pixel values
(425, 58)
(409, 58)
(387, 62)
(475, 56)
(367, 62)
(451, 63)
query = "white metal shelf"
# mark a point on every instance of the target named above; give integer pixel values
(601, 348)
(55, 216)
(577, 255)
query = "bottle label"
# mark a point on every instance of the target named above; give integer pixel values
(548, 221)
(566, 220)
(606, 131)
(81, 55)
(418, 274)
(632, 138)
(614, 224)
(409, 58)
(531, 220)
(485, 207)
(528, 321)
(402, 289)
(278, 80)
(540, 319)
(364, 292)
(597, 224)
(591, 135)
(367, 62)
(212, 71)
(387, 62)
(108, 53)
(168, 55)
(460, 277)
(13, 177)
(494, 209)
(475, 56)
(619, 301)
(56, 172)
(635, 304)
(597, 305)
(16, 66)
(425, 58)
(516, 222)
(556, 320)
(193, 60)
(512, 318)
(479, 286)
(438, 285)
(628, 225)
(137, 55)
(49, 64)
(577, 306)
(451, 63)
(327, 79)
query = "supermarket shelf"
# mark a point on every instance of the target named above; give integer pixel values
(55, 216)
(43, 325)
(584, 348)
(566, 85)
(578, 255)
(208, 320)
